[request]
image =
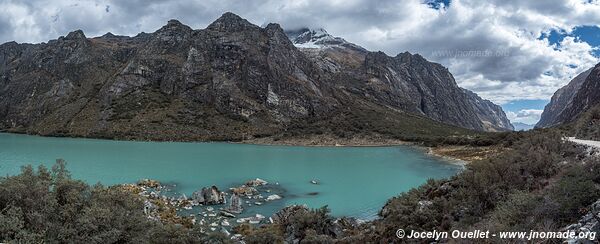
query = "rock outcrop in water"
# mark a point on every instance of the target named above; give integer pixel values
(209, 196)
(230, 81)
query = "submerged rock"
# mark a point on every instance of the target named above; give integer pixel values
(244, 190)
(149, 183)
(256, 182)
(227, 214)
(273, 197)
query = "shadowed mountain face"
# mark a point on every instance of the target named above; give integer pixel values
(407, 82)
(561, 99)
(587, 97)
(571, 101)
(232, 80)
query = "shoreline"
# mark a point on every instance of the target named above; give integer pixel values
(451, 160)
(440, 152)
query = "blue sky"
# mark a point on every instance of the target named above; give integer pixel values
(588, 34)
(528, 111)
(525, 111)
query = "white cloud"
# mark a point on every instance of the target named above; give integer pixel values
(521, 66)
(527, 116)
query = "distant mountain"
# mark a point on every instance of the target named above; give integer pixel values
(571, 101)
(561, 99)
(522, 126)
(230, 81)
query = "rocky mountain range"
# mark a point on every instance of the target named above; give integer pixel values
(572, 100)
(409, 81)
(232, 80)
(522, 126)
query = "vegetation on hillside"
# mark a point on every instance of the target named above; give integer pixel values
(588, 125)
(359, 122)
(47, 206)
(539, 183)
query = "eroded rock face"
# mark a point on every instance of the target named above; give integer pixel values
(407, 82)
(562, 99)
(230, 81)
(586, 97)
(491, 115)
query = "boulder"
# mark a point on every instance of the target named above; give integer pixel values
(235, 204)
(227, 214)
(588, 223)
(423, 205)
(343, 225)
(283, 215)
(209, 196)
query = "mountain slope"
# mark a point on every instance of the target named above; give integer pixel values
(569, 103)
(230, 81)
(492, 115)
(587, 97)
(561, 99)
(407, 82)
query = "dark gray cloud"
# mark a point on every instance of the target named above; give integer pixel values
(491, 47)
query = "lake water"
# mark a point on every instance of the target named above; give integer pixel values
(353, 181)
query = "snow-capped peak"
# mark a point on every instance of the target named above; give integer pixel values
(317, 38)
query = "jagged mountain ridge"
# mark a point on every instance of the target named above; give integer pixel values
(232, 80)
(434, 94)
(571, 101)
(319, 38)
(492, 115)
(561, 99)
(586, 97)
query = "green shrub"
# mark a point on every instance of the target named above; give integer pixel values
(574, 192)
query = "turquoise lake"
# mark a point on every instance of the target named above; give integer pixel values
(353, 181)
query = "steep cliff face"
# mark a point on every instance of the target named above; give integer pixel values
(561, 99)
(492, 115)
(175, 81)
(232, 80)
(587, 97)
(407, 82)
